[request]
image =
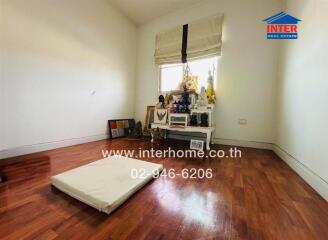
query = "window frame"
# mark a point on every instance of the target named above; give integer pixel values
(160, 77)
(184, 66)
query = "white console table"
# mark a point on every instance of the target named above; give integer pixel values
(206, 130)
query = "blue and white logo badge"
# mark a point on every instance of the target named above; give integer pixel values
(282, 26)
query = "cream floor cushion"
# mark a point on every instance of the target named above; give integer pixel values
(107, 183)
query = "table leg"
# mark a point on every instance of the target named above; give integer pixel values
(165, 135)
(152, 137)
(208, 140)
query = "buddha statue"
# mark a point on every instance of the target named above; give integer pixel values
(202, 102)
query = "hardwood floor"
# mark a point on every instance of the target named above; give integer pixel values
(254, 197)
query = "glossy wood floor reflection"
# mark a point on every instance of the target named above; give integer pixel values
(254, 197)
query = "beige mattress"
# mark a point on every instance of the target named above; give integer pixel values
(107, 183)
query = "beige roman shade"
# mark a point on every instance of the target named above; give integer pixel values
(203, 39)
(168, 46)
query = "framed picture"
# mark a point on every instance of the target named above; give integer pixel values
(120, 127)
(150, 113)
(196, 144)
(160, 116)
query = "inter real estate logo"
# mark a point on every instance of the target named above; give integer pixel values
(282, 26)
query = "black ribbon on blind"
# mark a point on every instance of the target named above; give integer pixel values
(184, 43)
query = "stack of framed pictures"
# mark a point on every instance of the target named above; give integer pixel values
(120, 127)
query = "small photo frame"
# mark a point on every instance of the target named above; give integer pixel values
(196, 144)
(160, 116)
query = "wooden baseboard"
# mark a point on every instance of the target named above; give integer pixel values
(243, 143)
(22, 150)
(314, 180)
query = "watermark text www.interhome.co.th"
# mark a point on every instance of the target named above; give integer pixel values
(233, 152)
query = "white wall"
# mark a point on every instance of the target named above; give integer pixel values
(247, 79)
(54, 55)
(1, 96)
(302, 115)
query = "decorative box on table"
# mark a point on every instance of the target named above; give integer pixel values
(178, 119)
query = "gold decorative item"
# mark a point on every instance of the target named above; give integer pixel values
(210, 93)
(189, 81)
(149, 118)
(166, 101)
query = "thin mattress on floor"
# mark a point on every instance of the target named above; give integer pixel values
(107, 183)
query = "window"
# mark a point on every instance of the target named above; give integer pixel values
(171, 75)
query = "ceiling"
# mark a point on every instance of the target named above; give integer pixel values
(141, 11)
